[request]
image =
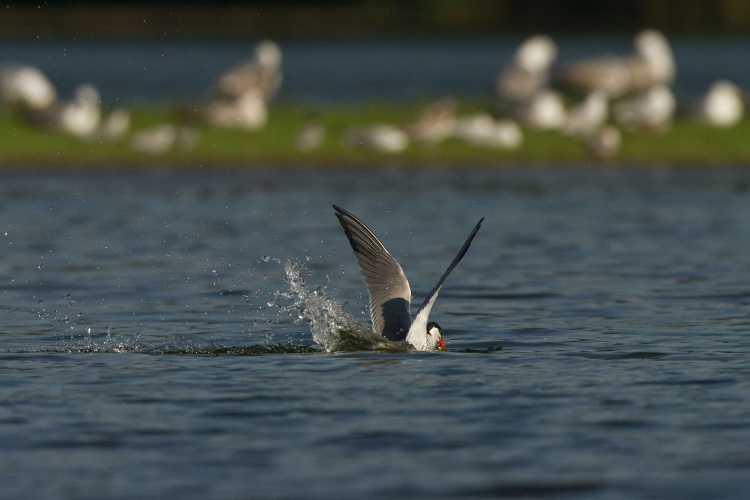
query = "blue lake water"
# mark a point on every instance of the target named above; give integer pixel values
(155, 336)
(323, 71)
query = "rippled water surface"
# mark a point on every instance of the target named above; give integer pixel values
(170, 334)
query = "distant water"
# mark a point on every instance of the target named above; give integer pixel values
(164, 335)
(320, 72)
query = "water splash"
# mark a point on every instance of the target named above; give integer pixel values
(333, 326)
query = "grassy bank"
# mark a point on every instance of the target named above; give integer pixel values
(23, 145)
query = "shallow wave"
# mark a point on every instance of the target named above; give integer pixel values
(350, 342)
(175, 349)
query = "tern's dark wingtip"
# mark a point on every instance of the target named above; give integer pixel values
(338, 211)
(341, 211)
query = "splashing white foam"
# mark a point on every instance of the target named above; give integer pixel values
(333, 326)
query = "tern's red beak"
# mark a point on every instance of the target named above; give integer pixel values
(441, 345)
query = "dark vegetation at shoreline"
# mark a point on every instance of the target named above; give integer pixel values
(358, 18)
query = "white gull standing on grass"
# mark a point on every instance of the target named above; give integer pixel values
(604, 143)
(435, 123)
(721, 106)
(244, 92)
(79, 117)
(26, 87)
(482, 129)
(248, 111)
(114, 126)
(379, 137)
(389, 289)
(651, 110)
(161, 138)
(651, 64)
(588, 116)
(310, 136)
(545, 111)
(528, 72)
(262, 74)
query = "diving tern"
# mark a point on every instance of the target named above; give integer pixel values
(389, 289)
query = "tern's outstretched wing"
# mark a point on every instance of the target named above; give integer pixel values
(420, 320)
(388, 287)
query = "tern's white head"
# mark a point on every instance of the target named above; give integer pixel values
(435, 337)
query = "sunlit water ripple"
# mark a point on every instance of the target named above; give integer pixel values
(196, 335)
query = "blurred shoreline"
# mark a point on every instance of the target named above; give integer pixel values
(685, 145)
(414, 101)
